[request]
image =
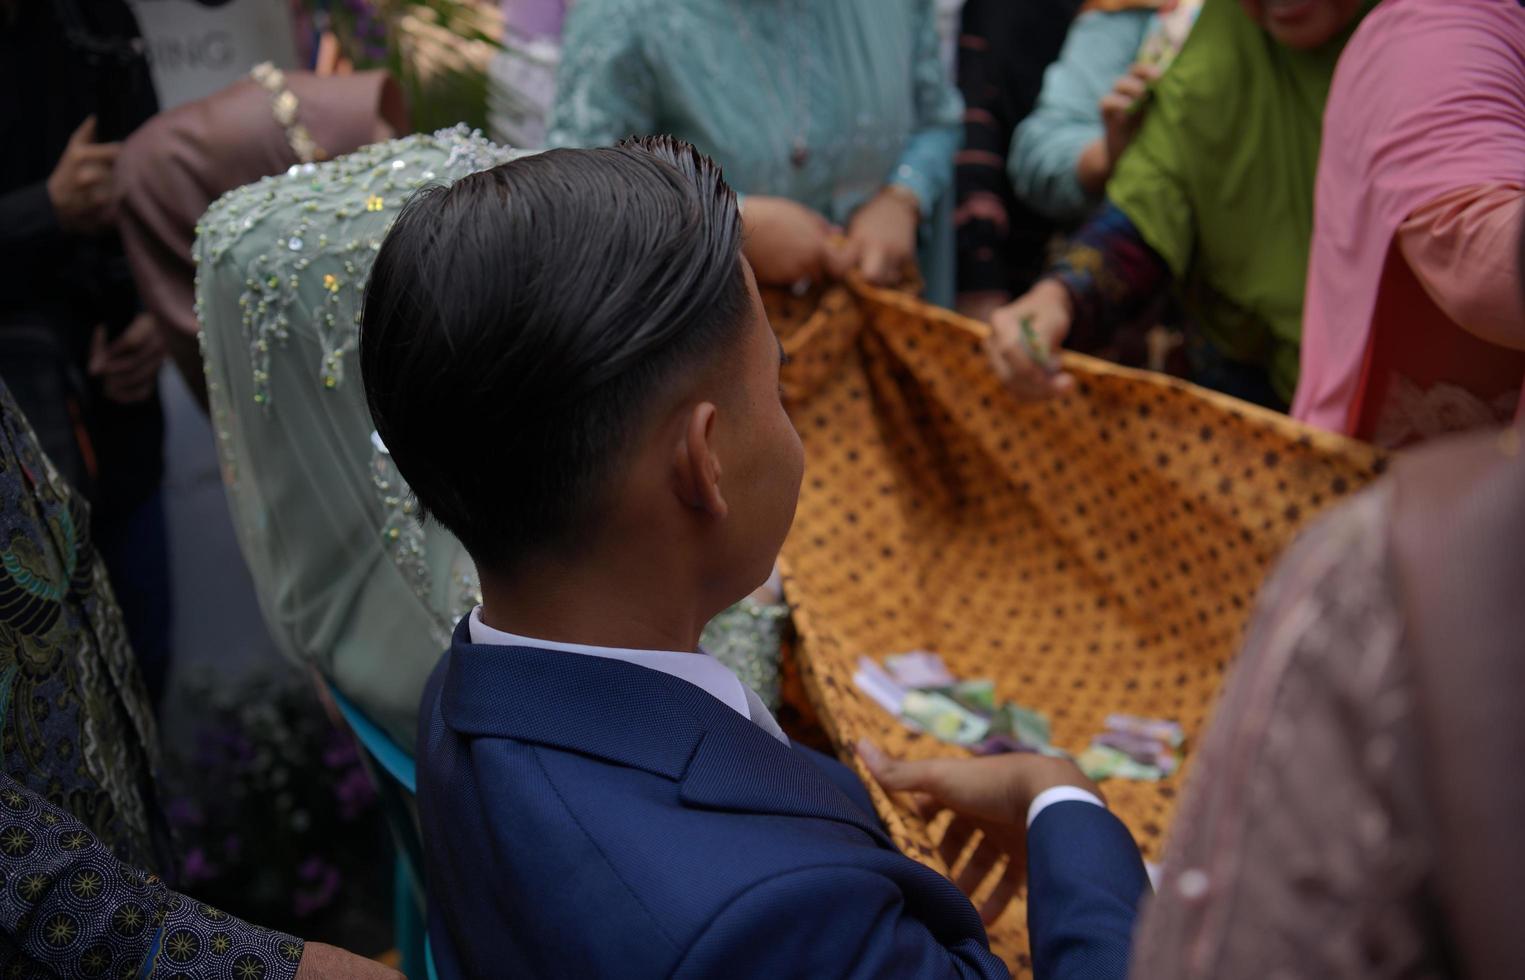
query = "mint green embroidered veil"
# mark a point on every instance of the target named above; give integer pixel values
(348, 581)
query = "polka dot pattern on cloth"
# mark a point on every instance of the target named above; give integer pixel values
(1091, 554)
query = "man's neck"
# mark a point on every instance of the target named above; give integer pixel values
(621, 610)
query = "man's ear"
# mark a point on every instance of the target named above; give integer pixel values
(696, 467)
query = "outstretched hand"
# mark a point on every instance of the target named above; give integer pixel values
(1120, 115)
(1025, 337)
(787, 243)
(1122, 112)
(990, 795)
(882, 234)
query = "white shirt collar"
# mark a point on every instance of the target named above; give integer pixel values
(699, 669)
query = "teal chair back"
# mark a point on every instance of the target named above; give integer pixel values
(396, 777)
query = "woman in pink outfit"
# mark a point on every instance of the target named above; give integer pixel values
(1413, 324)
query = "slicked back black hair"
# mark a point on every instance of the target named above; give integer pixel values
(518, 324)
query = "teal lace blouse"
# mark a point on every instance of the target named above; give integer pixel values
(820, 101)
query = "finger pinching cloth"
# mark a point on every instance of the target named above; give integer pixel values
(1093, 555)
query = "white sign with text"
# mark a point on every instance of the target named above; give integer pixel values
(199, 46)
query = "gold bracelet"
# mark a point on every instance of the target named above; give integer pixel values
(283, 106)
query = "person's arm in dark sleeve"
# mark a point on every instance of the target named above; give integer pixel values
(1085, 879)
(1112, 276)
(1003, 51)
(70, 906)
(980, 180)
(839, 921)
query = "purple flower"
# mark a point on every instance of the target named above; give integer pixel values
(341, 752)
(226, 748)
(355, 794)
(197, 867)
(183, 812)
(232, 846)
(325, 881)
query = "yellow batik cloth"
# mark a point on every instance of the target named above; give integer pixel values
(1093, 554)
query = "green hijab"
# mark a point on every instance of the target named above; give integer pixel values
(1219, 181)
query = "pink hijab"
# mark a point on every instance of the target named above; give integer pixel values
(1425, 101)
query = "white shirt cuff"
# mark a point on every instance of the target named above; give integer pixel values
(1060, 794)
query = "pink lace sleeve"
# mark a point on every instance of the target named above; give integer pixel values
(1300, 846)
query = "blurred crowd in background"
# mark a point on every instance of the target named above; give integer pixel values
(1285, 209)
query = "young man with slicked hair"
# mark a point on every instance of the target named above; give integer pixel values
(569, 362)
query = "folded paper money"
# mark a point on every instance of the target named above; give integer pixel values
(1157, 729)
(1104, 762)
(925, 694)
(1134, 748)
(944, 717)
(918, 669)
(874, 681)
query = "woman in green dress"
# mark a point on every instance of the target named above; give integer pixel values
(1214, 196)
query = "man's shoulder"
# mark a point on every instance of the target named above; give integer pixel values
(633, 819)
(545, 839)
(639, 820)
(625, 836)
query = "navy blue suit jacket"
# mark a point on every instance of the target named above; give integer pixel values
(585, 817)
(1085, 880)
